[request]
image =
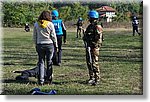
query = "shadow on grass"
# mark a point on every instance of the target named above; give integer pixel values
(121, 59)
(19, 81)
(70, 81)
(11, 63)
(121, 47)
(18, 57)
(53, 83)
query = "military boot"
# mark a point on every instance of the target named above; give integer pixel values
(97, 80)
(91, 81)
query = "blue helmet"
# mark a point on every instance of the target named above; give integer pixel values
(80, 19)
(93, 14)
(55, 13)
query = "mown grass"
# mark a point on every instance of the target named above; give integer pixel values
(121, 63)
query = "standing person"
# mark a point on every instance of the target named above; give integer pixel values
(93, 41)
(45, 39)
(135, 24)
(60, 30)
(79, 27)
(27, 27)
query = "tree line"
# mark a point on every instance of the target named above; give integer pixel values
(18, 13)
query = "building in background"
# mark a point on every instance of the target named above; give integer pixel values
(107, 12)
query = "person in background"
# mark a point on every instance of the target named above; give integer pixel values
(60, 30)
(27, 27)
(93, 42)
(79, 27)
(135, 24)
(44, 37)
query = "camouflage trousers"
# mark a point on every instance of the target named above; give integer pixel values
(94, 69)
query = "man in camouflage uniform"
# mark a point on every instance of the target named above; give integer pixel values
(79, 27)
(93, 40)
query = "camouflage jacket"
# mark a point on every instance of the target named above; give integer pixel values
(93, 35)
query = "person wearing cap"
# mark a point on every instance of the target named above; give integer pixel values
(93, 42)
(60, 30)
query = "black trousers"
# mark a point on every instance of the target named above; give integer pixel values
(135, 29)
(57, 55)
(25, 74)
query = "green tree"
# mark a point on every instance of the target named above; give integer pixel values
(79, 10)
(123, 9)
(65, 13)
(18, 13)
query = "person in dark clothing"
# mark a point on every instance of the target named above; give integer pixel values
(60, 30)
(135, 24)
(25, 74)
(27, 27)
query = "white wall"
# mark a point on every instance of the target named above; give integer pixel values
(109, 16)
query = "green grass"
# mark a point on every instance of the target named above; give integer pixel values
(121, 63)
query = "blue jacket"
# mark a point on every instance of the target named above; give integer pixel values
(58, 26)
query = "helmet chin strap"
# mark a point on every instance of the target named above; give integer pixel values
(54, 17)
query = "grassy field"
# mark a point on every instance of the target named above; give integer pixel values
(121, 63)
